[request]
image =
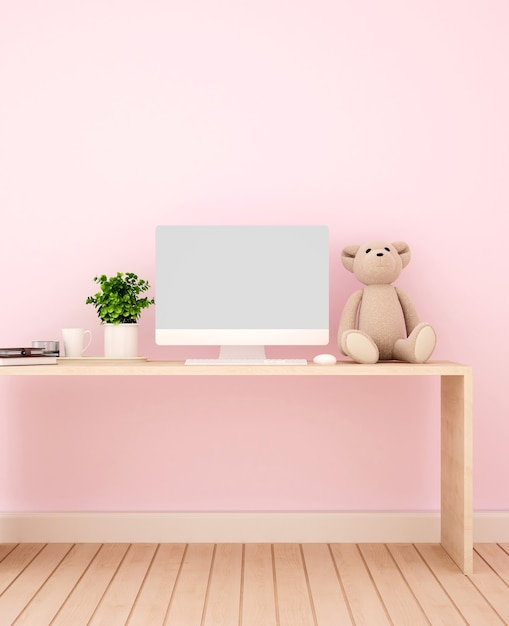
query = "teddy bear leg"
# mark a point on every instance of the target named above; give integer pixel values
(418, 346)
(359, 346)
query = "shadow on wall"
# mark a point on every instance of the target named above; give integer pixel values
(221, 444)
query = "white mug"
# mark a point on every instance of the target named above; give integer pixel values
(74, 341)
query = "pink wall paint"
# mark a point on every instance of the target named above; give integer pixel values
(381, 120)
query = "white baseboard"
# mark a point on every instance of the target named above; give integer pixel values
(491, 527)
(349, 527)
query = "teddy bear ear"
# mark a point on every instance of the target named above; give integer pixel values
(348, 256)
(403, 249)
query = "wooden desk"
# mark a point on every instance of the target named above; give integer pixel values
(456, 418)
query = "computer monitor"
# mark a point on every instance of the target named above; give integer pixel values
(242, 287)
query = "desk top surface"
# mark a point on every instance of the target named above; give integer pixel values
(138, 367)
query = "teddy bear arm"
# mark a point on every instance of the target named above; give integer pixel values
(409, 311)
(348, 319)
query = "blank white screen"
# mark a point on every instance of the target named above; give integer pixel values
(242, 277)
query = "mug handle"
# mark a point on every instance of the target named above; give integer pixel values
(89, 340)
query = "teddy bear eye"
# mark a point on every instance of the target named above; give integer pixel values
(388, 250)
(368, 250)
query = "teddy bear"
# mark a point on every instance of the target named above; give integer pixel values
(379, 322)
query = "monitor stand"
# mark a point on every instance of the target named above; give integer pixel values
(244, 355)
(242, 352)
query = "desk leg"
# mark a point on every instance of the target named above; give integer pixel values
(456, 471)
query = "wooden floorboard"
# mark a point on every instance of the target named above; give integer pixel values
(284, 584)
(258, 590)
(153, 601)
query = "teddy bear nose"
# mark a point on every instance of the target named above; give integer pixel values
(379, 254)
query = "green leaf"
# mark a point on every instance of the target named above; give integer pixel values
(118, 301)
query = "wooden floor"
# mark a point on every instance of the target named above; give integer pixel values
(250, 585)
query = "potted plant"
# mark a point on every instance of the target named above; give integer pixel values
(119, 304)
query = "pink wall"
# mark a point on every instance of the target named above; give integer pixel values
(379, 119)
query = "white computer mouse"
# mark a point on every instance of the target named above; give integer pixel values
(325, 359)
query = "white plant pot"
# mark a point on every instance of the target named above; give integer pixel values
(120, 340)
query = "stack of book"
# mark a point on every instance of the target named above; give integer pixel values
(25, 356)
